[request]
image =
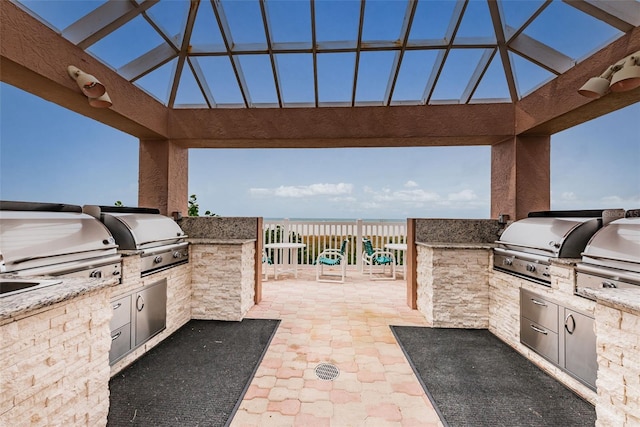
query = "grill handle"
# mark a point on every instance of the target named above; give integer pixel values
(163, 240)
(33, 258)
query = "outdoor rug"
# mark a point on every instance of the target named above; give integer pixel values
(474, 379)
(195, 377)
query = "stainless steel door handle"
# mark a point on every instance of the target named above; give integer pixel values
(536, 302)
(116, 336)
(139, 303)
(566, 324)
(542, 331)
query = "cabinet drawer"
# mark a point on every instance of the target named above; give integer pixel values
(540, 339)
(121, 312)
(539, 310)
(120, 342)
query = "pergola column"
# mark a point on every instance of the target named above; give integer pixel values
(520, 176)
(163, 177)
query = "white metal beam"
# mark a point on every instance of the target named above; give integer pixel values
(103, 21)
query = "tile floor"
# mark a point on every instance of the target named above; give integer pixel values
(346, 325)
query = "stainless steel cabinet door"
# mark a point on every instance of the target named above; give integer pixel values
(151, 311)
(580, 347)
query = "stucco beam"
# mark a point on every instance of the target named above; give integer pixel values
(34, 58)
(557, 105)
(400, 126)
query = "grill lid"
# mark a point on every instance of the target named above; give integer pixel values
(32, 236)
(618, 242)
(138, 228)
(555, 237)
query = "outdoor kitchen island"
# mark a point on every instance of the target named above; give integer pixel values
(55, 353)
(457, 287)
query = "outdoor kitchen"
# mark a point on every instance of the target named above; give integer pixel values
(577, 320)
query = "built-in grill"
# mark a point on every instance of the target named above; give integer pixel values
(55, 239)
(159, 239)
(526, 247)
(611, 259)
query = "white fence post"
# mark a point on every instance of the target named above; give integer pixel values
(359, 245)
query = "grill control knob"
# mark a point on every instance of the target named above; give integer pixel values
(177, 254)
(157, 259)
(531, 268)
(508, 261)
(96, 274)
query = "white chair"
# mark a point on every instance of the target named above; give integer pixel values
(332, 258)
(373, 256)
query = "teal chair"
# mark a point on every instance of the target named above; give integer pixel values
(374, 257)
(266, 262)
(332, 258)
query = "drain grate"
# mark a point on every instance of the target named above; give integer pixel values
(327, 371)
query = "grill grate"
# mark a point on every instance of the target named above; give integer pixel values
(327, 371)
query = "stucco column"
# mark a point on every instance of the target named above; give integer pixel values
(163, 176)
(520, 176)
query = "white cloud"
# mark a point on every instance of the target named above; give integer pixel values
(410, 184)
(296, 191)
(462, 196)
(569, 195)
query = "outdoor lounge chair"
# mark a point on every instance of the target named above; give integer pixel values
(266, 262)
(374, 256)
(331, 258)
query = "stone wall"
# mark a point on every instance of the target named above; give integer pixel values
(223, 279)
(178, 300)
(618, 343)
(55, 364)
(453, 285)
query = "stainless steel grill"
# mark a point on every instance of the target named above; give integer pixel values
(527, 246)
(159, 239)
(611, 259)
(54, 239)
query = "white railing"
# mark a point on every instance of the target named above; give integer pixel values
(320, 234)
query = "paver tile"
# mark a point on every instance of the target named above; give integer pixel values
(347, 325)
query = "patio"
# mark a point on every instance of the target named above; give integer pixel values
(346, 325)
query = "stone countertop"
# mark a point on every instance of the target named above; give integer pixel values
(622, 299)
(70, 287)
(445, 245)
(206, 241)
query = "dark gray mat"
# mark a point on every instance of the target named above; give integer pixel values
(196, 377)
(474, 379)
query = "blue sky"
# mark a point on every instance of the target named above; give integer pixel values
(50, 154)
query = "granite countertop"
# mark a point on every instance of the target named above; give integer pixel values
(207, 241)
(70, 287)
(445, 245)
(622, 299)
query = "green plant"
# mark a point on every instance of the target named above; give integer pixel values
(194, 207)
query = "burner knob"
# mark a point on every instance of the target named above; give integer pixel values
(177, 254)
(508, 261)
(157, 259)
(531, 268)
(96, 274)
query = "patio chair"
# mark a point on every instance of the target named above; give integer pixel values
(266, 262)
(332, 258)
(374, 256)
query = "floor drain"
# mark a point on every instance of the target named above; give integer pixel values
(327, 371)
